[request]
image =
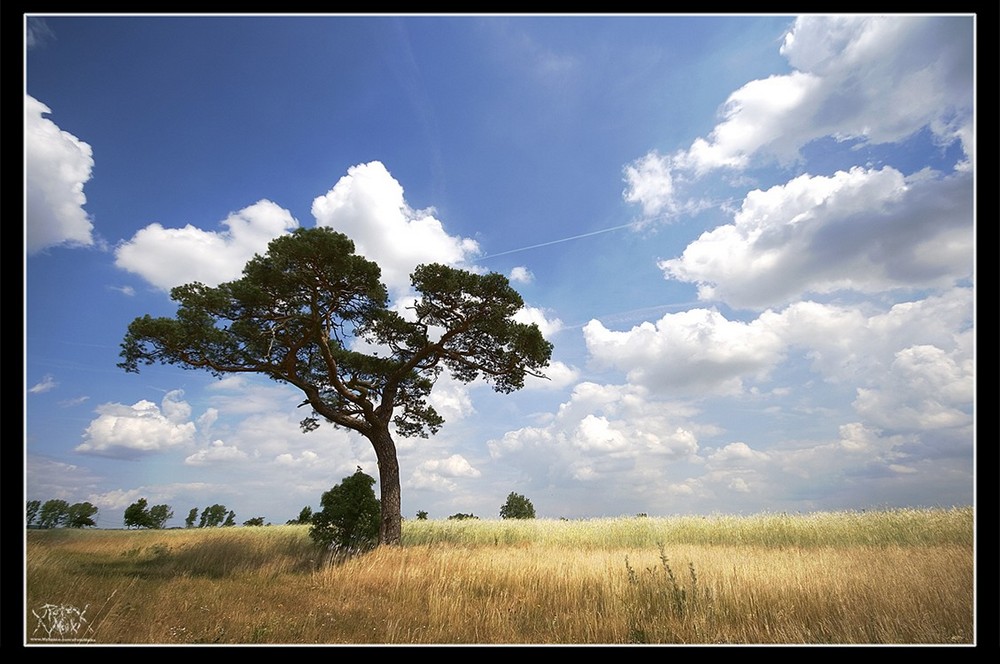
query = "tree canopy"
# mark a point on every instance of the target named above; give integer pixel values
(81, 515)
(349, 515)
(306, 314)
(517, 507)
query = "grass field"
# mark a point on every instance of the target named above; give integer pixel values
(883, 577)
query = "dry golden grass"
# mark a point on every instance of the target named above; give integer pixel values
(894, 577)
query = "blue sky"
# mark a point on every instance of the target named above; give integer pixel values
(749, 238)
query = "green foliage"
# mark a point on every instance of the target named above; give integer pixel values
(296, 312)
(80, 515)
(349, 515)
(421, 515)
(305, 517)
(213, 516)
(159, 515)
(31, 509)
(137, 516)
(53, 513)
(192, 515)
(517, 507)
(256, 521)
(461, 516)
(230, 519)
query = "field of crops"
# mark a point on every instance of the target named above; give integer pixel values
(882, 577)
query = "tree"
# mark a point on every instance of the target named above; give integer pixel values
(80, 514)
(517, 507)
(137, 516)
(213, 516)
(305, 516)
(256, 521)
(192, 515)
(348, 519)
(53, 513)
(299, 311)
(421, 515)
(460, 516)
(31, 508)
(159, 515)
(230, 519)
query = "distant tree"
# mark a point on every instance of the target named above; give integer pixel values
(421, 515)
(213, 516)
(137, 516)
(53, 513)
(159, 515)
(349, 515)
(80, 515)
(305, 517)
(230, 519)
(460, 516)
(31, 509)
(296, 314)
(256, 521)
(192, 515)
(517, 507)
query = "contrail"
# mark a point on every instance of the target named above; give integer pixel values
(565, 239)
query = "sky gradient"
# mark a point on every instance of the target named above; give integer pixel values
(751, 240)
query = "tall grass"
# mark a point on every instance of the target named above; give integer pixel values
(876, 577)
(879, 528)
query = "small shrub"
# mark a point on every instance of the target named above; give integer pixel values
(350, 515)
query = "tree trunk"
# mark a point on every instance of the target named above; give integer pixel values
(390, 530)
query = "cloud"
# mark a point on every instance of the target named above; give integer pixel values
(862, 79)
(450, 398)
(117, 499)
(602, 427)
(217, 452)
(862, 230)
(168, 257)
(368, 206)
(702, 353)
(521, 275)
(76, 401)
(650, 184)
(529, 315)
(736, 454)
(38, 33)
(47, 479)
(143, 428)
(437, 474)
(926, 389)
(307, 458)
(688, 353)
(44, 385)
(883, 78)
(558, 375)
(57, 166)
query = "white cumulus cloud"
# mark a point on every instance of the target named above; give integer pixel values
(57, 165)
(217, 452)
(368, 206)
(168, 257)
(438, 474)
(863, 230)
(143, 428)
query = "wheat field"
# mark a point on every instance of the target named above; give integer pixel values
(877, 577)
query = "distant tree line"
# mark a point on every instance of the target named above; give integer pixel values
(55, 513)
(138, 515)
